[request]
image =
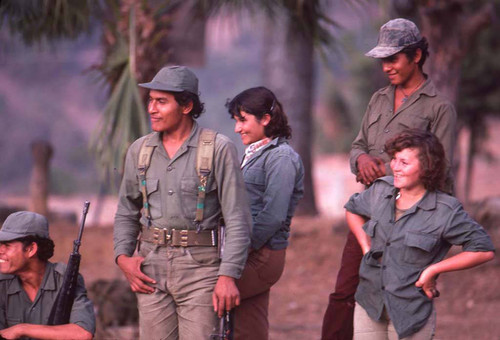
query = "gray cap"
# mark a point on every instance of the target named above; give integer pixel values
(393, 37)
(174, 79)
(24, 223)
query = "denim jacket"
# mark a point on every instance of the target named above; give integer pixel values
(274, 178)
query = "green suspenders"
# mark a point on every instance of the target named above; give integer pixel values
(204, 164)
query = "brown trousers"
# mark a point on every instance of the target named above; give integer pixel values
(262, 270)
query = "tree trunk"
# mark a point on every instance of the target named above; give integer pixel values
(39, 184)
(288, 72)
(450, 30)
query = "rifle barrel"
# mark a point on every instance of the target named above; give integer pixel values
(78, 241)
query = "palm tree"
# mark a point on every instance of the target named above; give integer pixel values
(134, 44)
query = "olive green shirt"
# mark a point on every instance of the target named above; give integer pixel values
(425, 109)
(16, 307)
(401, 249)
(172, 187)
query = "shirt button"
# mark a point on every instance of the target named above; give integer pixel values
(386, 130)
(170, 192)
(170, 168)
(381, 151)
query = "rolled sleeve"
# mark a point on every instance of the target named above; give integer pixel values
(464, 231)
(235, 208)
(82, 312)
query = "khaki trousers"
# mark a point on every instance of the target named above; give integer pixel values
(365, 328)
(181, 306)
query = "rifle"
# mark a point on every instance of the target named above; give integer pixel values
(226, 326)
(61, 311)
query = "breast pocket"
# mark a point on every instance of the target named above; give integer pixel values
(154, 197)
(13, 321)
(416, 122)
(419, 248)
(255, 180)
(189, 197)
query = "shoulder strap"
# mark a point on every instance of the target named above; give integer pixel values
(204, 165)
(144, 160)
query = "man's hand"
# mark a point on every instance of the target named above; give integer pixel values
(427, 281)
(226, 295)
(369, 168)
(13, 332)
(131, 267)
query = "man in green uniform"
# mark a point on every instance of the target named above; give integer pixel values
(29, 283)
(410, 101)
(177, 275)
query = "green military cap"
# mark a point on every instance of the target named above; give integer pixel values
(393, 37)
(24, 223)
(174, 79)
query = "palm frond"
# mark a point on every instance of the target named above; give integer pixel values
(124, 121)
(35, 20)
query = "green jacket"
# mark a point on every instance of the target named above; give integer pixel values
(401, 249)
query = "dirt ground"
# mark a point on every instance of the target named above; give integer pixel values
(467, 308)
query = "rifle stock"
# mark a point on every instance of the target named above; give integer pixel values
(61, 311)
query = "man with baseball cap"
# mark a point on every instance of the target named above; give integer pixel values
(29, 283)
(410, 101)
(180, 282)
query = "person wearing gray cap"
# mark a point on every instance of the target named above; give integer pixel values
(180, 282)
(29, 283)
(410, 101)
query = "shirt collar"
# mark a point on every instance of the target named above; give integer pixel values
(428, 202)
(427, 89)
(253, 148)
(48, 282)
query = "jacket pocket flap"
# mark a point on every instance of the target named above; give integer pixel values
(422, 241)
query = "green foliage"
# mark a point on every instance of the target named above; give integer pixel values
(124, 120)
(46, 19)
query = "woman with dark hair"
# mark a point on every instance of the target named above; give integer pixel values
(405, 226)
(273, 174)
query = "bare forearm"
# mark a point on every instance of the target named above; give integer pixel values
(68, 331)
(464, 260)
(355, 223)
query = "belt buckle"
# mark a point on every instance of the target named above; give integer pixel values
(161, 236)
(184, 237)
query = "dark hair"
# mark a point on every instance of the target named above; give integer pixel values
(411, 51)
(258, 101)
(45, 246)
(185, 97)
(430, 155)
